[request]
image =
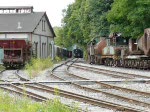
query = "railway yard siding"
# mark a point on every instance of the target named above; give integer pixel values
(104, 89)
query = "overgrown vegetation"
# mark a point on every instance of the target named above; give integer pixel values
(57, 59)
(2, 67)
(8, 104)
(36, 65)
(130, 17)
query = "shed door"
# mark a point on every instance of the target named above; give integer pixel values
(1, 55)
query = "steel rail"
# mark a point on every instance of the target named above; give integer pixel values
(120, 88)
(69, 82)
(27, 93)
(1, 75)
(22, 91)
(116, 72)
(91, 89)
(101, 72)
(107, 93)
(23, 94)
(83, 98)
(61, 64)
(21, 78)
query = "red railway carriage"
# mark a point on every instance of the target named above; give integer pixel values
(16, 52)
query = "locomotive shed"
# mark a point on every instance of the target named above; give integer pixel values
(24, 33)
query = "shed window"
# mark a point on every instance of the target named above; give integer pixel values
(43, 25)
(50, 50)
(35, 49)
(43, 50)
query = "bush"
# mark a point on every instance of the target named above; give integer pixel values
(57, 59)
(36, 65)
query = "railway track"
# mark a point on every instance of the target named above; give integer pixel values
(12, 88)
(107, 93)
(40, 87)
(16, 86)
(111, 73)
(82, 98)
(20, 91)
(11, 76)
(107, 85)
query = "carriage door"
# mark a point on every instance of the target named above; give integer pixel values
(1, 55)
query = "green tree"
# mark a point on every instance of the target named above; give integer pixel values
(130, 17)
(71, 25)
(59, 36)
(84, 20)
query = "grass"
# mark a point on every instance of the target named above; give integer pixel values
(9, 104)
(57, 59)
(2, 67)
(37, 65)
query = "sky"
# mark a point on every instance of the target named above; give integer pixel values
(53, 8)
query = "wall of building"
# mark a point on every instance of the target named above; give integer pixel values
(43, 28)
(44, 35)
(44, 46)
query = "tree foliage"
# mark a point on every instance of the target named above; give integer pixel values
(59, 36)
(130, 17)
(84, 20)
(87, 19)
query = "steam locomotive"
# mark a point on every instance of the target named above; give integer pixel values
(78, 53)
(122, 52)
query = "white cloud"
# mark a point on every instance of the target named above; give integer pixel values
(53, 8)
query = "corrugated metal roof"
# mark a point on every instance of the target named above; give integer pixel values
(25, 22)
